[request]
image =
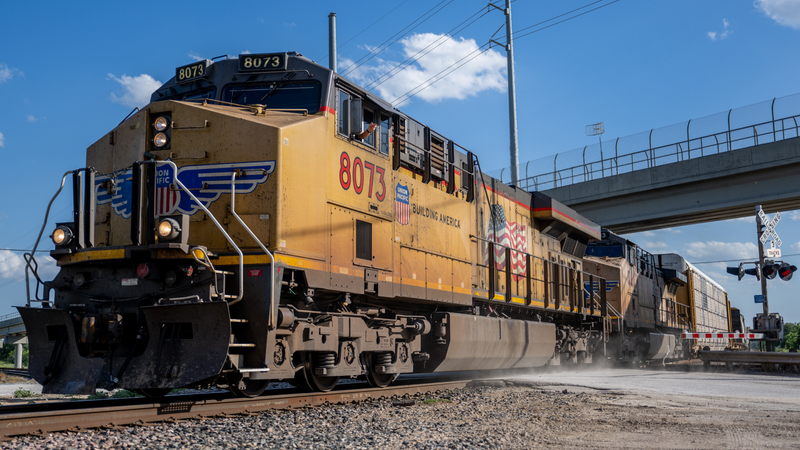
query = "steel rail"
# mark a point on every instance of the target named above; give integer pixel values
(749, 357)
(173, 409)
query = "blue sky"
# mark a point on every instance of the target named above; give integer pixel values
(69, 73)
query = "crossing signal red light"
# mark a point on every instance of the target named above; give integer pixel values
(770, 270)
(785, 271)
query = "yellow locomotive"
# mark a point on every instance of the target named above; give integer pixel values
(250, 225)
(653, 299)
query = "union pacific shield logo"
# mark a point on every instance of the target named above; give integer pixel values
(402, 209)
(207, 182)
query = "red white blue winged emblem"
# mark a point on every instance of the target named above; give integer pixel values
(207, 182)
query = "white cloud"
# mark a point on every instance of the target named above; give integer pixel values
(796, 247)
(649, 233)
(654, 246)
(2, 140)
(196, 57)
(722, 250)
(486, 71)
(672, 230)
(785, 12)
(7, 73)
(11, 264)
(714, 35)
(137, 89)
(794, 215)
(246, 52)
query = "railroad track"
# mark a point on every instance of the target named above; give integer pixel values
(16, 372)
(38, 419)
(742, 358)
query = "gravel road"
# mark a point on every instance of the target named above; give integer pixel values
(609, 409)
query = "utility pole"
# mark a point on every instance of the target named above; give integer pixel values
(332, 41)
(759, 231)
(512, 100)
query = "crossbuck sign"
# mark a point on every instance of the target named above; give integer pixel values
(769, 230)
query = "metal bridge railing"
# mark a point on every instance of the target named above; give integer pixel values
(683, 145)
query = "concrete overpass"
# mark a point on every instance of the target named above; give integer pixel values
(719, 186)
(12, 332)
(698, 171)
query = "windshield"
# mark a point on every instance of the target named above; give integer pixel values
(609, 250)
(277, 95)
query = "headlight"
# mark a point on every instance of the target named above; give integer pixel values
(168, 229)
(160, 140)
(62, 236)
(161, 124)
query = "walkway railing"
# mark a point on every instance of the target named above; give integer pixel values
(682, 145)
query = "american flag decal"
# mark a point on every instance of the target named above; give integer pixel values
(166, 199)
(509, 234)
(402, 208)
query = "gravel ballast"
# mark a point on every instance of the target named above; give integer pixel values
(493, 414)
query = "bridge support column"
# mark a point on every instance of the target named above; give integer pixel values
(18, 356)
(17, 341)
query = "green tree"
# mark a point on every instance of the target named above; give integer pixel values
(791, 336)
(8, 354)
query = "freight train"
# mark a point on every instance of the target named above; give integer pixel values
(653, 299)
(264, 218)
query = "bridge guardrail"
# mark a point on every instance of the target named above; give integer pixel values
(716, 139)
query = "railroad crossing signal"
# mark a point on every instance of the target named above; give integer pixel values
(769, 229)
(786, 270)
(770, 269)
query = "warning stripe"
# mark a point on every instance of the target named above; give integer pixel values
(723, 335)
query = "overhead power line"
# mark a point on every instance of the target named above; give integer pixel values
(416, 57)
(518, 36)
(739, 260)
(367, 28)
(460, 63)
(364, 59)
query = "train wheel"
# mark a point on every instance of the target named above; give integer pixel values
(153, 392)
(315, 382)
(246, 388)
(307, 378)
(380, 380)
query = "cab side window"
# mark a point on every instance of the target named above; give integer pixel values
(343, 114)
(385, 128)
(354, 116)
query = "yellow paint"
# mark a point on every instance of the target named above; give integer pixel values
(91, 255)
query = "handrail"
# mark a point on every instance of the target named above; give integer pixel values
(273, 299)
(574, 290)
(30, 258)
(213, 219)
(9, 316)
(650, 156)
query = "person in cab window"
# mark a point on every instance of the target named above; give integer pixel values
(369, 126)
(364, 135)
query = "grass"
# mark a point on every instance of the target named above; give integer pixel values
(11, 379)
(431, 401)
(23, 393)
(122, 393)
